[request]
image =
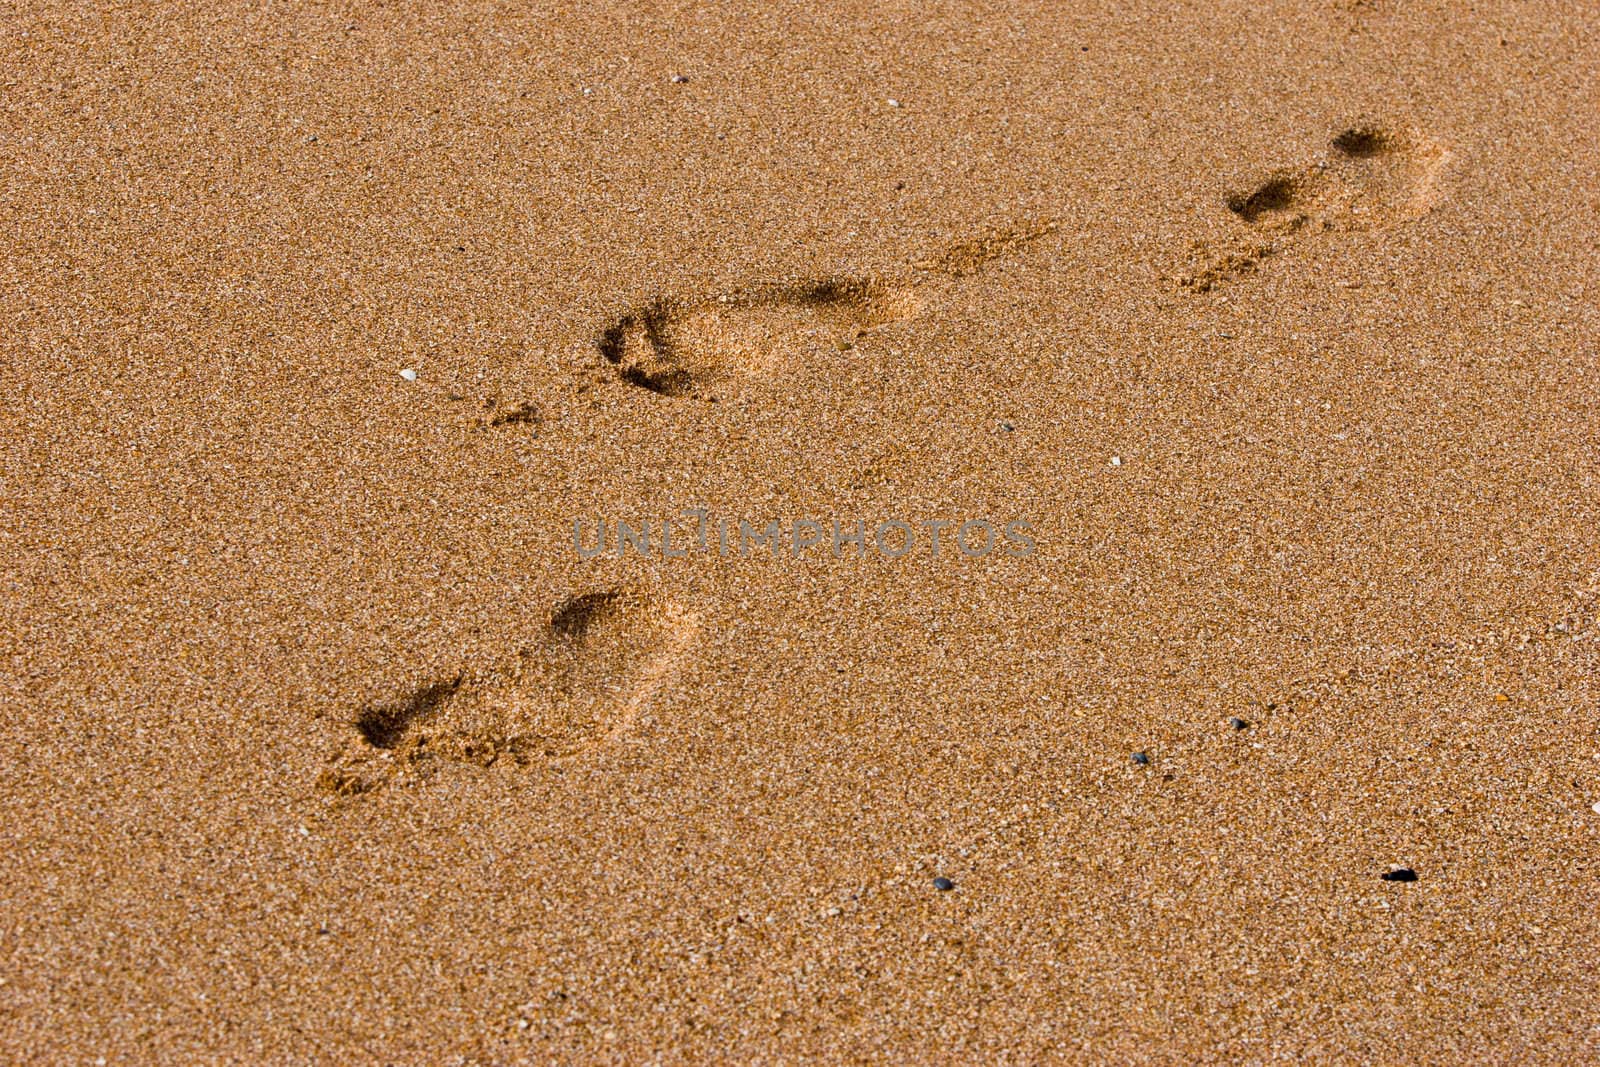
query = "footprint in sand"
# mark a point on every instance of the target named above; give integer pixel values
(1372, 176)
(601, 659)
(685, 348)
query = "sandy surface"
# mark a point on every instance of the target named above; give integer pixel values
(1275, 321)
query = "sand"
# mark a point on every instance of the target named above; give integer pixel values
(1274, 323)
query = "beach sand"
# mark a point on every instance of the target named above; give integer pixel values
(1274, 322)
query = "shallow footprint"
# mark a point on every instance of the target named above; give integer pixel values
(603, 656)
(685, 349)
(1372, 176)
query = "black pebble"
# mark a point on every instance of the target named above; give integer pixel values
(1141, 758)
(1404, 874)
(1237, 723)
(943, 885)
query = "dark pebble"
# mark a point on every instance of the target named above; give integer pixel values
(1404, 874)
(1141, 758)
(943, 885)
(1238, 723)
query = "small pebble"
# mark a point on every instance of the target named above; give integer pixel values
(1238, 723)
(1116, 461)
(679, 79)
(1007, 427)
(894, 103)
(943, 885)
(1596, 808)
(1402, 874)
(409, 375)
(1141, 758)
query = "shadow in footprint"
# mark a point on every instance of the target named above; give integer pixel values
(1275, 195)
(603, 656)
(386, 725)
(574, 618)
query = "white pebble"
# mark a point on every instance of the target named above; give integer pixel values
(409, 375)
(1597, 807)
(1116, 461)
(894, 103)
